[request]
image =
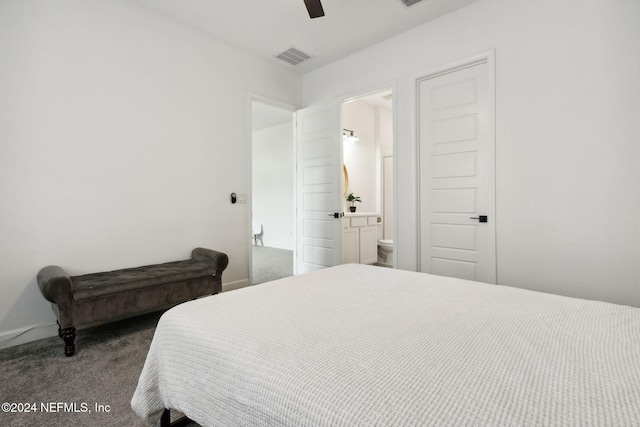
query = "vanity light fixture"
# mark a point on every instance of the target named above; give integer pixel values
(348, 136)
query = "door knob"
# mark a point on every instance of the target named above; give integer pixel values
(480, 218)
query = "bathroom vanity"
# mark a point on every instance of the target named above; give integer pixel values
(359, 238)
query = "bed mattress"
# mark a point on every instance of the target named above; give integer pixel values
(357, 345)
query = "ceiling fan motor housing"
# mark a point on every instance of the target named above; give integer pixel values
(314, 7)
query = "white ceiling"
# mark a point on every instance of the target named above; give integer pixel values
(269, 27)
(379, 99)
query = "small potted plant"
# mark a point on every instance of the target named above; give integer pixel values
(353, 199)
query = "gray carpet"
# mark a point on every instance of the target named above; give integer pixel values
(104, 371)
(271, 264)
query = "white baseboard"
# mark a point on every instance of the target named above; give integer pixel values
(27, 334)
(237, 284)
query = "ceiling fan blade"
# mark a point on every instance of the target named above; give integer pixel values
(314, 7)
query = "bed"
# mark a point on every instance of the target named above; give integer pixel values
(358, 345)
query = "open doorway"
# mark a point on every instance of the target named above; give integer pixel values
(272, 192)
(368, 149)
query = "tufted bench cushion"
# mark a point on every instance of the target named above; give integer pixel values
(99, 284)
(78, 300)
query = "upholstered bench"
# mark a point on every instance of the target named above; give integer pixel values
(80, 300)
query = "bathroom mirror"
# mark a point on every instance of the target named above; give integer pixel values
(346, 179)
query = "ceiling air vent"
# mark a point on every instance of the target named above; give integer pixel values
(410, 2)
(293, 56)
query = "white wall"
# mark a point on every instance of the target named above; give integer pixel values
(384, 130)
(273, 185)
(360, 157)
(384, 120)
(567, 147)
(373, 125)
(122, 135)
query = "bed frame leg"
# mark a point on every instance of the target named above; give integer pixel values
(165, 420)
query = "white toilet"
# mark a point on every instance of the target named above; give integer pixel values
(385, 253)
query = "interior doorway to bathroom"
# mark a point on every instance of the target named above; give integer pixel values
(368, 156)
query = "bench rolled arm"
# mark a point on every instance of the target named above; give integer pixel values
(220, 259)
(55, 285)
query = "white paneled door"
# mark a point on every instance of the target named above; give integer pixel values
(318, 187)
(456, 162)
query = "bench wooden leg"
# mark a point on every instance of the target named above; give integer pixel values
(69, 336)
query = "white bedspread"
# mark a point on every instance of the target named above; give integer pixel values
(357, 345)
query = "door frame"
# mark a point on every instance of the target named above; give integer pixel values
(352, 96)
(487, 57)
(253, 97)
